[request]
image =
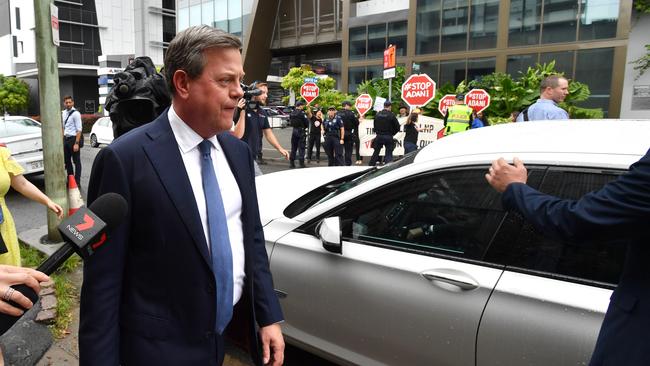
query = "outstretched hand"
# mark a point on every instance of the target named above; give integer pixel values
(9, 276)
(501, 174)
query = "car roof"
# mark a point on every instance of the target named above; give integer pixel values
(606, 136)
(12, 118)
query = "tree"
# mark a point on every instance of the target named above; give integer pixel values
(14, 95)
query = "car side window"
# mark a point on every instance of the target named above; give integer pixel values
(453, 212)
(599, 261)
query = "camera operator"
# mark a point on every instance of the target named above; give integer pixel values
(256, 123)
(351, 125)
(300, 124)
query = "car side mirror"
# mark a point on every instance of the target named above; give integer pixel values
(329, 232)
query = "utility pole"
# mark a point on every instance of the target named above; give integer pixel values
(46, 17)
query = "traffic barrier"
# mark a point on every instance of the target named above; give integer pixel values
(75, 201)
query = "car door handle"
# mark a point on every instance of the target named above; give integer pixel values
(452, 277)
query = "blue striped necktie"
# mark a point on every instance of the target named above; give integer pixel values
(219, 239)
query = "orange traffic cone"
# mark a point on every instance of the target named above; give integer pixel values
(75, 201)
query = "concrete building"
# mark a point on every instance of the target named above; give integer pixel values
(96, 36)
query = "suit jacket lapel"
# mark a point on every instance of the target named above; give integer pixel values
(166, 159)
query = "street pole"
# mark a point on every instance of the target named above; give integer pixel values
(48, 84)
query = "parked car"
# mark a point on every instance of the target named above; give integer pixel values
(417, 263)
(23, 137)
(101, 132)
(276, 119)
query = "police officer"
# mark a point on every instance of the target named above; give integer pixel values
(351, 125)
(334, 137)
(300, 123)
(386, 125)
(458, 117)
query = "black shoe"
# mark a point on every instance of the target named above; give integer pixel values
(302, 163)
(292, 164)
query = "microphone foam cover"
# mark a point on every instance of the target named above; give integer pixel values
(111, 208)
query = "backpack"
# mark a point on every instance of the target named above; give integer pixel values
(525, 113)
(138, 96)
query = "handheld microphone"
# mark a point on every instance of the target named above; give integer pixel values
(83, 233)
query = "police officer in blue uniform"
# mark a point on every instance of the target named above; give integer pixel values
(334, 137)
(300, 123)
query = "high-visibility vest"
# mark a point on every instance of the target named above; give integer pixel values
(458, 118)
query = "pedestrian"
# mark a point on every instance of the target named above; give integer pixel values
(298, 120)
(334, 137)
(386, 126)
(72, 138)
(411, 131)
(458, 117)
(480, 120)
(315, 134)
(256, 124)
(513, 116)
(351, 125)
(188, 263)
(620, 210)
(552, 90)
(11, 175)
(403, 111)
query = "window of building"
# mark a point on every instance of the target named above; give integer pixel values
(598, 19)
(484, 23)
(195, 15)
(169, 4)
(455, 18)
(374, 71)
(479, 67)
(525, 22)
(169, 28)
(356, 75)
(376, 40)
(235, 17)
(397, 36)
(518, 64)
(15, 44)
(560, 21)
(563, 61)
(452, 71)
(430, 68)
(17, 18)
(427, 37)
(594, 68)
(357, 43)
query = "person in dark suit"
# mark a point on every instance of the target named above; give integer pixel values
(188, 266)
(620, 210)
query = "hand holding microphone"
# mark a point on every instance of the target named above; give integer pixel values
(84, 233)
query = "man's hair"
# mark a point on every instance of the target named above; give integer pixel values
(185, 51)
(67, 97)
(550, 82)
(261, 84)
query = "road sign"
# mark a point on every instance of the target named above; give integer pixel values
(309, 91)
(477, 99)
(311, 80)
(446, 102)
(54, 15)
(418, 90)
(389, 57)
(363, 103)
(389, 73)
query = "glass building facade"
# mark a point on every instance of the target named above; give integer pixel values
(230, 15)
(456, 40)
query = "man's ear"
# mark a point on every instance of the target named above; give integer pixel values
(181, 81)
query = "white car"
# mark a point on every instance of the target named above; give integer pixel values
(23, 137)
(101, 132)
(417, 263)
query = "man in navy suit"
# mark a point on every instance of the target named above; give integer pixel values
(152, 297)
(621, 210)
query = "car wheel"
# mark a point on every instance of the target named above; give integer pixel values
(93, 140)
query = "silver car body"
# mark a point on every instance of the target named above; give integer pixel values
(375, 305)
(23, 138)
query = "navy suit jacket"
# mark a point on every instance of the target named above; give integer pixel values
(621, 209)
(148, 296)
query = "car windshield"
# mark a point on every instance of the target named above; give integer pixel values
(16, 127)
(340, 185)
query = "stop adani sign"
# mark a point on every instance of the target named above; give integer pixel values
(418, 90)
(309, 91)
(363, 103)
(446, 102)
(477, 99)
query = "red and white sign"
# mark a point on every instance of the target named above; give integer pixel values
(309, 91)
(418, 90)
(477, 99)
(54, 15)
(363, 103)
(446, 102)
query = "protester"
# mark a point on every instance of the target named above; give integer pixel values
(300, 123)
(72, 138)
(351, 125)
(256, 124)
(11, 175)
(403, 111)
(315, 133)
(552, 90)
(458, 117)
(190, 256)
(411, 131)
(621, 211)
(334, 137)
(480, 120)
(386, 126)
